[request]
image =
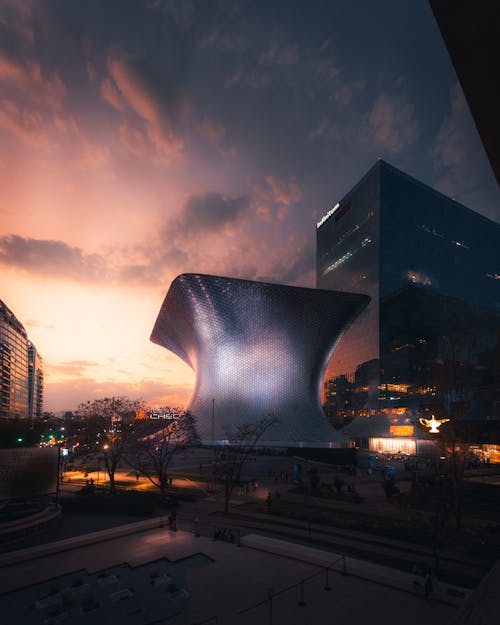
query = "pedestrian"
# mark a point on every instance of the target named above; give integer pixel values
(428, 586)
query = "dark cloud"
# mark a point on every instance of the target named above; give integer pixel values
(53, 259)
(460, 159)
(210, 212)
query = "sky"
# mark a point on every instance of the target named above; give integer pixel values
(141, 139)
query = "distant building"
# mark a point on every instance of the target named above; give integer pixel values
(430, 338)
(35, 382)
(21, 372)
(258, 350)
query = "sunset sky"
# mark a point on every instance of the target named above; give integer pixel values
(143, 139)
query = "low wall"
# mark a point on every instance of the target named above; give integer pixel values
(442, 591)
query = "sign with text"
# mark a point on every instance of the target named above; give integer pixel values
(402, 430)
(28, 472)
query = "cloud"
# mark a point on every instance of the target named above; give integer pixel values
(73, 368)
(273, 197)
(91, 71)
(34, 323)
(67, 394)
(26, 125)
(287, 54)
(139, 275)
(16, 24)
(93, 156)
(460, 160)
(133, 140)
(26, 76)
(210, 130)
(66, 125)
(299, 266)
(111, 95)
(390, 124)
(226, 42)
(210, 212)
(152, 98)
(52, 259)
(453, 140)
(250, 78)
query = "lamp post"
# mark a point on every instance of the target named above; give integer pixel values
(213, 425)
(213, 445)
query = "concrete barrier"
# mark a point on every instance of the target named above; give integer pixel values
(442, 591)
(31, 553)
(18, 526)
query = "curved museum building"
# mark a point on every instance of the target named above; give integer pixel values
(258, 350)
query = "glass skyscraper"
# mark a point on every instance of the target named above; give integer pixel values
(21, 371)
(35, 382)
(429, 339)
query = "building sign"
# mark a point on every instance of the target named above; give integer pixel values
(402, 430)
(28, 472)
(327, 215)
(169, 416)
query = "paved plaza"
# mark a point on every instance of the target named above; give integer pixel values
(231, 588)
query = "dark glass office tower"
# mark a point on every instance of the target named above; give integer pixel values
(429, 339)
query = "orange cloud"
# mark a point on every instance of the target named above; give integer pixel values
(93, 155)
(274, 197)
(111, 95)
(133, 140)
(23, 124)
(67, 394)
(26, 76)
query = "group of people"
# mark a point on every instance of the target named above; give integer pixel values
(224, 534)
(249, 487)
(172, 521)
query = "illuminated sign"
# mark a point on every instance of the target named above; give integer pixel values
(328, 214)
(433, 424)
(153, 414)
(401, 430)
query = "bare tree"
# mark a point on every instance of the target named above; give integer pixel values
(242, 442)
(455, 439)
(156, 442)
(105, 426)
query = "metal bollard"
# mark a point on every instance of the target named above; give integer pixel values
(327, 585)
(302, 602)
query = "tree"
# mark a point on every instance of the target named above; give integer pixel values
(155, 443)
(105, 426)
(242, 443)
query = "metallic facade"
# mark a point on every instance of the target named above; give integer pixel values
(257, 350)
